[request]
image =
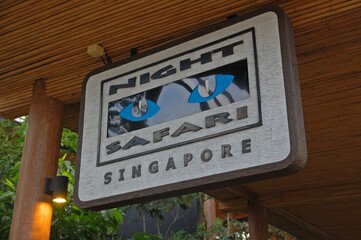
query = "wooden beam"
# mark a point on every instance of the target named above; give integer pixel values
(233, 205)
(257, 220)
(297, 197)
(242, 192)
(295, 225)
(33, 209)
(239, 203)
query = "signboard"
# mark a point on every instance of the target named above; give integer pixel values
(217, 108)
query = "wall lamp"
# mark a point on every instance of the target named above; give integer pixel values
(58, 188)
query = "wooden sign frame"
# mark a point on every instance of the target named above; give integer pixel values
(294, 160)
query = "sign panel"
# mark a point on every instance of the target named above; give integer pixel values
(215, 108)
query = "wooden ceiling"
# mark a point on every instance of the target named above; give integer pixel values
(48, 39)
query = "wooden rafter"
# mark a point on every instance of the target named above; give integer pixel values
(297, 197)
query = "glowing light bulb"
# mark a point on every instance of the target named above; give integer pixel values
(59, 200)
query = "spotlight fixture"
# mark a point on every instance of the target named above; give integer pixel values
(58, 188)
(97, 51)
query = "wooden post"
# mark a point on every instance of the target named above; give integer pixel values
(33, 208)
(257, 220)
(230, 226)
(210, 214)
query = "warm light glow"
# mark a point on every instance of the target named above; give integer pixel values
(41, 220)
(59, 200)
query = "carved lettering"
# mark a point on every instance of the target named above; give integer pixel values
(187, 63)
(226, 151)
(135, 141)
(113, 147)
(164, 72)
(246, 146)
(219, 117)
(206, 155)
(121, 174)
(187, 158)
(242, 113)
(107, 178)
(136, 171)
(186, 127)
(170, 164)
(153, 167)
(158, 135)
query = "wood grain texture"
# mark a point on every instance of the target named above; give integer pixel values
(55, 47)
(257, 220)
(346, 212)
(299, 227)
(33, 208)
(291, 198)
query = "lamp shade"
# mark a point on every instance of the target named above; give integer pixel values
(58, 188)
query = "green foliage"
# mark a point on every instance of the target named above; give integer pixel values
(7, 195)
(69, 222)
(182, 235)
(12, 137)
(69, 141)
(11, 144)
(157, 208)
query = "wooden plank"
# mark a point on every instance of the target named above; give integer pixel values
(33, 210)
(134, 23)
(71, 21)
(85, 71)
(345, 54)
(124, 18)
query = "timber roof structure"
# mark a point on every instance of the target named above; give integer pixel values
(49, 39)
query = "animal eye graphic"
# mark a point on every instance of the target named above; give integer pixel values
(127, 112)
(222, 82)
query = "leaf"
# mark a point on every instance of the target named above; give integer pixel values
(63, 157)
(117, 215)
(6, 194)
(10, 184)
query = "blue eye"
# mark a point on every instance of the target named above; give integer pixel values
(222, 82)
(127, 112)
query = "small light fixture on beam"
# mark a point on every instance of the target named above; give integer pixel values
(58, 188)
(97, 51)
